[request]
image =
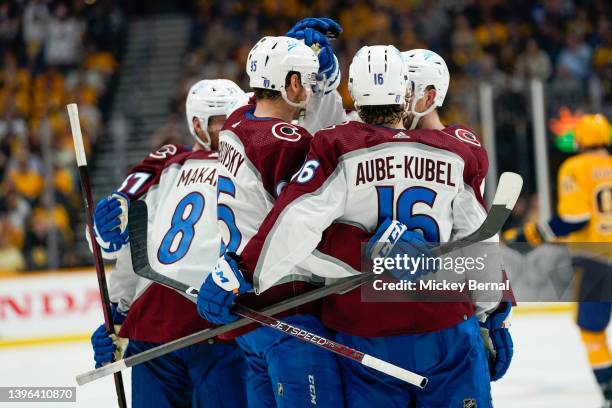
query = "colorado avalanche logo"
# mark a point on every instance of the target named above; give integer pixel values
(164, 151)
(286, 132)
(467, 137)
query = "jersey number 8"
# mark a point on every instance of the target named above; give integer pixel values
(187, 213)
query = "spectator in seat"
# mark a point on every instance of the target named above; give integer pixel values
(25, 175)
(533, 62)
(11, 258)
(35, 19)
(17, 210)
(64, 39)
(575, 58)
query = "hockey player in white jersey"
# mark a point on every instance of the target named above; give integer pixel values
(179, 187)
(426, 92)
(359, 176)
(428, 84)
(260, 150)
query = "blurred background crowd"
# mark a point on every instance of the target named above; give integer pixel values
(52, 53)
(56, 52)
(506, 43)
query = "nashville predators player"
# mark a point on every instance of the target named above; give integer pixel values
(584, 220)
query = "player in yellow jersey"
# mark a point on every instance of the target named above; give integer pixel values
(584, 215)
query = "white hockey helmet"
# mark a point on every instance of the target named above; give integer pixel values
(272, 58)
(377, 76)
(425, 68)
(210, 97)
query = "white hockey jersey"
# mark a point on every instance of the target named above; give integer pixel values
(180, 189)
(358, 174)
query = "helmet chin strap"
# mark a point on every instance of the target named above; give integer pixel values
(302, 105)
(205, 145)
(418, 115)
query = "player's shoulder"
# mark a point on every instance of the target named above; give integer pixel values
(148, 172)
(465, 135)
(575, 164)
(161, 158)
(208, 155)
(167, 152)
(262, 132)
(349, 136)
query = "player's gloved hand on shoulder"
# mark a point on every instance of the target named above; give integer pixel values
(219, 290)
(392, 238)
(497, 340)
(324, 25)
(111, 222)
(108, 347)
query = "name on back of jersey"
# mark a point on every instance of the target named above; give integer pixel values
(230, 157)
(412, 167)
(206, 174)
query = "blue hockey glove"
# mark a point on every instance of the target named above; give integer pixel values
(108, 347)
(498, 341)
(219, 290)
(393, 239)
(111, 222)
(324, 25)
(325, 53)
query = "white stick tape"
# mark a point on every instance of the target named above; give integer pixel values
(77, 136)
(394, 371)
(508, 189)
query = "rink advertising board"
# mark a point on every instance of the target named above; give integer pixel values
(48, 307)
(56, 307)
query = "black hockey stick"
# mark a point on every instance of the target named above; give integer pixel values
(77, 137)
(508, 191)
(138, 220)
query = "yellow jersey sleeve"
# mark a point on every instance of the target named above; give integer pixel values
(574, 196)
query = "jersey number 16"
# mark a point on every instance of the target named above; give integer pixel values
(404, 211)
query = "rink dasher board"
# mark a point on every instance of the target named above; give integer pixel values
(48, 307)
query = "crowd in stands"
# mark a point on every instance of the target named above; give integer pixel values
(565, 43)
(52, 53)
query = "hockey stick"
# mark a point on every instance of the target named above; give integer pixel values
(138, 219)
(77, 137)
(508, 190)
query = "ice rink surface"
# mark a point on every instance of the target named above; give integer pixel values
(549, 369)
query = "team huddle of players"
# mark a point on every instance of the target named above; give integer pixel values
(260, 209)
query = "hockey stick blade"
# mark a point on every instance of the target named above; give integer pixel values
(508, 191)
(138, 220)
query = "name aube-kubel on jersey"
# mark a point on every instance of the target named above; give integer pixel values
(411, 167)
